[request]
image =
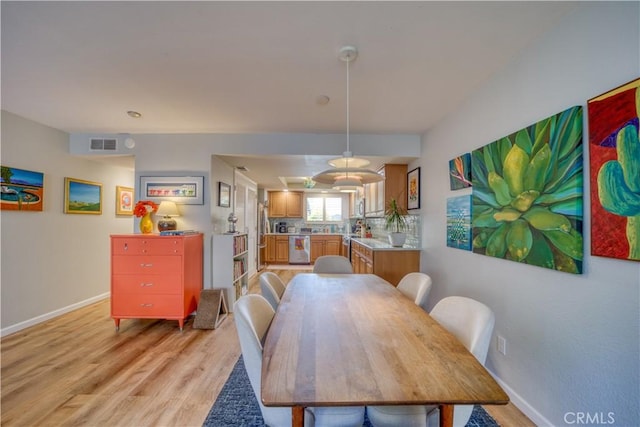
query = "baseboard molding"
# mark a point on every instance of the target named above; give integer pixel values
(536, 417)
(42, 318)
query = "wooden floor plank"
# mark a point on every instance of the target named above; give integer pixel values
(76, 370)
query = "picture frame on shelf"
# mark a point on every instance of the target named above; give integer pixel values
(413, 189)
(124, 200)
(82, 197)
(224, 194)
(183, 190)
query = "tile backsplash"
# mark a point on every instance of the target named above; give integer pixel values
(376, 225)
(413, 230)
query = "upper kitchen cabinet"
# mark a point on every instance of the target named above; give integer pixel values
(285, 204)
(377, 195)
(356, 203)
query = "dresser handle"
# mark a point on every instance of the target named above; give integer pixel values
(146, 265)
(146, 305)
(146, 285)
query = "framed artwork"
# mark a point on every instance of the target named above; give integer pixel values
(460, 172)
(224, 194)
(22, 190)
(124, 200)
(459, 222)
(413, 189)
(185, 190)
(614, 172)
(82, 197)
(527, 194)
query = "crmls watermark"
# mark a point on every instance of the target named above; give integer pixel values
(591, 418)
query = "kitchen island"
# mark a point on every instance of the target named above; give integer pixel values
(371, 256)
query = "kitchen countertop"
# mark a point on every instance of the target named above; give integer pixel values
(380, 245)
(304, 234)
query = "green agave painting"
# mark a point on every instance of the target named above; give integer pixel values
(528, 192)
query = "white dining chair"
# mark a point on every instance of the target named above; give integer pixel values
(471, 322)
(253, 315)
(332, 264)
(416, 286)
(272, 288)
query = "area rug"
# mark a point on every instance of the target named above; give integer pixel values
(237, 406)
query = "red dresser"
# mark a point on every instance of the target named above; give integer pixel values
(155, 277)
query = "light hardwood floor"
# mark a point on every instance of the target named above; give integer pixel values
(76, 370)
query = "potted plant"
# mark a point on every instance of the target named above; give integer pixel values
(395, 220)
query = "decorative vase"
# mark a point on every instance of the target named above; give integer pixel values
(146, 224)
(397, 239)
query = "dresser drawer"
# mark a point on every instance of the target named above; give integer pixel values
(147, 284)
(146, 265)
(146, 305)
(141, 246)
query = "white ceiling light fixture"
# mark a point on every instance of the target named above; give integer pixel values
(129, 142)
(348, 173)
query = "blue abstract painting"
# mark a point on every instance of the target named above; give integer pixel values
(459, 222)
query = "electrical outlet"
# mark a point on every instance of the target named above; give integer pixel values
(502, 345)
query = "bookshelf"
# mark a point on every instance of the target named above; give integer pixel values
(230, 265)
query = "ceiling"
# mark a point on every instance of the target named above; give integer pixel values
(256, 67)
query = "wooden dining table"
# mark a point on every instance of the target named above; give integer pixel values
(355, 340)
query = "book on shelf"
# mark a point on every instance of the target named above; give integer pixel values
(239, 268)
(239, 244)
(178, 232)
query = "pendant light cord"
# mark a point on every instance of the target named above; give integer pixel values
(348, 105)
(348, 118)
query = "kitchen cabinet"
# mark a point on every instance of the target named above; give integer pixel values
(155, 277)
(270, 249)
(325, 245)
(370, 195)
(361, 258)
(282, 249)
(392, 264)
(377, 195)
(356, 203)
(277, 249)
(285, 204)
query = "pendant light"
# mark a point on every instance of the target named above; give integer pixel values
(348, 172)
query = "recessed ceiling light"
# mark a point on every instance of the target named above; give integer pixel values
(134, 114)
(322, 100)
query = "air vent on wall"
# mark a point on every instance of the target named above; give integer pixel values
(103, 144)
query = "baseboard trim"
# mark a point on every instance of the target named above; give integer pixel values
(47, 316)
(536, 417)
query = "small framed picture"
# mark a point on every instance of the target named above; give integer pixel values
(224, 194)
(22, 190)
(82, 197)
(413, 189)
(184, 190)
(124, 200)
(460, 172)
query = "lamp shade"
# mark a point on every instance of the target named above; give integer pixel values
(363, 176)
(167, 208)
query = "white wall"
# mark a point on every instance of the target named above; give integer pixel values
(572, 340)
(53, 262)
(194, 154)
